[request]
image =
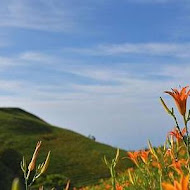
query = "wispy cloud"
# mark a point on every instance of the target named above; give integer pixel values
(10, 85)
(158, 49)
(32, 56)
(51, 15)
(39, 15)
(121, 81)
(26, 59)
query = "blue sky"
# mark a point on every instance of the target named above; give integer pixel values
(96, 66)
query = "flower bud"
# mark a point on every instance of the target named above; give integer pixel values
(165, 106)
(16, 184)
(32, 164)
(46, 164)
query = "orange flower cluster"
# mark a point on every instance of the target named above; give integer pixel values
(166, 167)
(182, 185)
(143, 154)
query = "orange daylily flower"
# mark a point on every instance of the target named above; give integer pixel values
(133, 156)
(180, 98)
(108, 186)
(119, 187)
(144, 155)
(175, 133)
(177, 165)
(156, 164)
(182, 185)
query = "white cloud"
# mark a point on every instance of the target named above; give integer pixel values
(50, 15)
(181, 50)
(40, 15)
(9, 62)
(26, 59)
(10, 85)
(39, 57)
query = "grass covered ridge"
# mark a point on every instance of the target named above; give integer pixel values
(74, 156)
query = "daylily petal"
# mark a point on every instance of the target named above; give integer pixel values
(180, 98)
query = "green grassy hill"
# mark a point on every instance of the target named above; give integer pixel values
(73, 155)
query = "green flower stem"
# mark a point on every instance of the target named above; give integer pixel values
(113, 176)
(177, 125)
(187, 132)
(186, 143)
(26, 184)
(160, 180)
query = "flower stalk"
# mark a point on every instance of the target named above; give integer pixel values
(27, 171)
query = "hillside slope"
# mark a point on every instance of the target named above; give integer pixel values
(73, 155)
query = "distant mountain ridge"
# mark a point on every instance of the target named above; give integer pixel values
(72, 155)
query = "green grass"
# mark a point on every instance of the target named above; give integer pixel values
(75, 156)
